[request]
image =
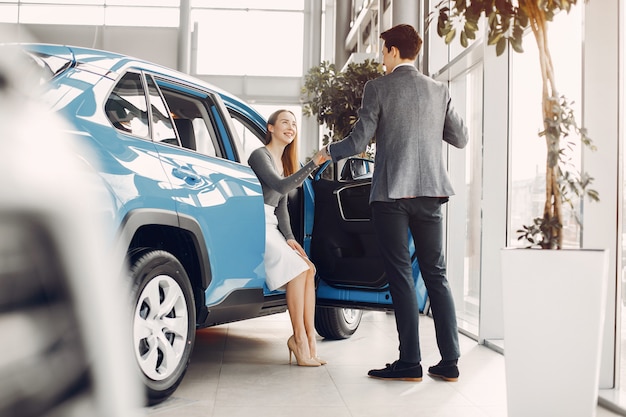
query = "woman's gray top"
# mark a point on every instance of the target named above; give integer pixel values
(275, 186)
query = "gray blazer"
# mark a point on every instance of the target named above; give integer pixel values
(410, 115)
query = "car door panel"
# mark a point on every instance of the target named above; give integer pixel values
(344, 246)
(345, 249)
(221, 190)
(212, 189)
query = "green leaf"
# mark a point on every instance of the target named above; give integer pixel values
(450, 36)
(501, 46)
(522, 18)
(463, 39)
(471, 26)
(442, 29)
(516, 44)
(593, 195)
(491, 20)
(494, 38)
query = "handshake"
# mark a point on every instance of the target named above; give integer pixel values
(322, 156)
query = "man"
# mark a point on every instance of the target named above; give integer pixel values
(410, 114)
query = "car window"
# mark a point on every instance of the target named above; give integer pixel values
(205, 141)
(191, 118)
(250, 139)
(162, 129)
(127, 108)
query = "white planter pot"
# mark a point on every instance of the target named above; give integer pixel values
(554, 304)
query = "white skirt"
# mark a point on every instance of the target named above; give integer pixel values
(282, 263)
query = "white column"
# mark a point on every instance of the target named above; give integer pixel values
(184, 37)
(309, 138)
(601, 226)
(406, 11)
(342, 28)
(494, 205)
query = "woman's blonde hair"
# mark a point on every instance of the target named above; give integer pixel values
(290, 153)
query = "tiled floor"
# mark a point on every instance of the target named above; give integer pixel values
(242, 369)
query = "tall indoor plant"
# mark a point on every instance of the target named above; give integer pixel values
(553, 301)
(507, 21)
(334, 96)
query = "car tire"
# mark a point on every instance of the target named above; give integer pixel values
(337, 323)
(164, 321)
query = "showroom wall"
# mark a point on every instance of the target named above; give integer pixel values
(156, 44)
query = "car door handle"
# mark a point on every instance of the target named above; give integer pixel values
(187, 175)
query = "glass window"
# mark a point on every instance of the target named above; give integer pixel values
(162, 129)
(205, 141)
(61, 14)
(248, 138)
(528, 150)
(464, 214)
(191, 117)
(262, 43)
(147, 3)
(126, 107)
(249, 4)
(94, 2)
(154, 13)
(141, 16)
(8, 13)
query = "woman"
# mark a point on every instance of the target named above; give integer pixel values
(286, 264)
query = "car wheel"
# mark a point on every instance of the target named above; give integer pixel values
(164, 321)
(337, 323)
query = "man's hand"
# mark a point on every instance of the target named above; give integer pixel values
(322, 156)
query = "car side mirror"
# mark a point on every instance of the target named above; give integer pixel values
(357, 169)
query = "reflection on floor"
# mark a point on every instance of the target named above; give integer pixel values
(242, 369)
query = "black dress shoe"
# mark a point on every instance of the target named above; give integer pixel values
(448, 371)
(398, 371)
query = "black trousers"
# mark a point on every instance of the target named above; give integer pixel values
(423, 217)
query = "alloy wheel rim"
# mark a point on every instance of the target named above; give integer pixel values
(160, 327)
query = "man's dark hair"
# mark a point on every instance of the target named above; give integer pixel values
(405, 38)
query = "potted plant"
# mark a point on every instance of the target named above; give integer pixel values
(334, 97)
(553, 315)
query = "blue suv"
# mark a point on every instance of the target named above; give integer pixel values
(171, 150)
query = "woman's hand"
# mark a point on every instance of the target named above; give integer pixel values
(296, 246)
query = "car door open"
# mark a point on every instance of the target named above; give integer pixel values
(344, 245)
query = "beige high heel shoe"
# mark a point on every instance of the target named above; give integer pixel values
(320, 360)
(291, 345)
(317, 358)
